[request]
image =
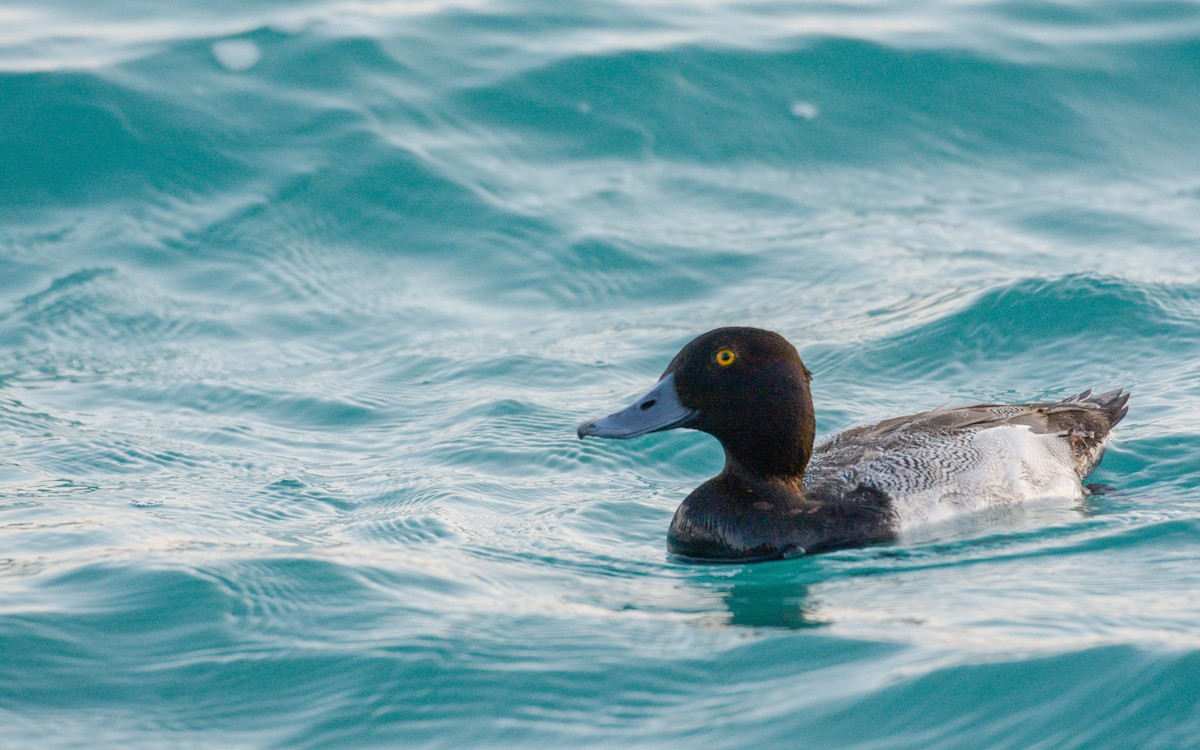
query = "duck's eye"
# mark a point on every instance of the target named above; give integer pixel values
(726, 357)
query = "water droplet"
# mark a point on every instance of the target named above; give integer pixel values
(805, 110)
(237, 54)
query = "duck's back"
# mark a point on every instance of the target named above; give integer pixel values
(946, 461)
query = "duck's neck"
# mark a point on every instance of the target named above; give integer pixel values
(789, 478)
(775, 449)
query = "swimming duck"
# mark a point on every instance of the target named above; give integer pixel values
(779, 497)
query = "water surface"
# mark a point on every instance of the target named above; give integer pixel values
(301, 302)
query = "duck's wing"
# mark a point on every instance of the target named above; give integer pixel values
(1083, 412)
(1035, 448)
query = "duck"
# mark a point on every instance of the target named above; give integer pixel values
(778, 496)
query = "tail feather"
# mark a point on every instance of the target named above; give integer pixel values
(1089, 433)
(1114, 403)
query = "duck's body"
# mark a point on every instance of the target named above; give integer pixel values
(946, 461)
(779, 497)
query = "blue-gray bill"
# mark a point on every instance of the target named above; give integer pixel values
(658, 409)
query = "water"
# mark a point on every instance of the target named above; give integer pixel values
(301, 302)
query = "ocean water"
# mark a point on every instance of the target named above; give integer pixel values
(300, 304)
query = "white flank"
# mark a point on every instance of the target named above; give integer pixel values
(1008, 464)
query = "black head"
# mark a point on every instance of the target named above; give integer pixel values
(745, 386)
(749, 389)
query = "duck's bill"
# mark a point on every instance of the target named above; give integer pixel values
(658, 409)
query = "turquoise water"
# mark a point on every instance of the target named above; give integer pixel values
(300, 304)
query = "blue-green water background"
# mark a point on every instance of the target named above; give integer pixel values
(301, 302)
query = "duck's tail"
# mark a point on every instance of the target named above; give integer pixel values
(1088, 420)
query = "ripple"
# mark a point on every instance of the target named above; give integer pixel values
(654, 110)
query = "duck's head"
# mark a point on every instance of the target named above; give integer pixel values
(745, 386)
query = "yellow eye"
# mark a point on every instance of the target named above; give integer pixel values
(726, 357)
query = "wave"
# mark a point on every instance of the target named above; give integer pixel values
(1097, 326)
